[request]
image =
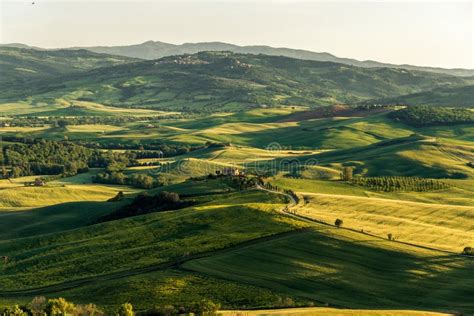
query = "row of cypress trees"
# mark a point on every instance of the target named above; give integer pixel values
(398, 183)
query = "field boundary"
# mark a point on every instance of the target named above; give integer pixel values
(287, 211)
(53, 288)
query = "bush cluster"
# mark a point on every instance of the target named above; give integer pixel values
(145, 203)
(61, 307)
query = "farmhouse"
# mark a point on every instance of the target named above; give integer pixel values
(230, 172)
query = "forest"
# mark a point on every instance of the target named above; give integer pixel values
(44, 157)
(422, 115)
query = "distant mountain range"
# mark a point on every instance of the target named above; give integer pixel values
(156, 49)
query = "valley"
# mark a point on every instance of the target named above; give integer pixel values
(267, 185)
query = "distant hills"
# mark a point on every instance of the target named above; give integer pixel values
(216, 81)
(24, 64)
(156, 49)
(459, 96)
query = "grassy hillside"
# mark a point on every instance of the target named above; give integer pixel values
(407, 156)
(434, 225)
(447, 96)
(47, 195)
(141, 241)
(25, 64)
(51, 219)
(226, 81)
(224, 240)
(348, 269)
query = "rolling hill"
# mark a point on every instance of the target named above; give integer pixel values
(157, 49)
(263, 239)
(24, 64)
(406, 156)
(449, 96)
(223, 81)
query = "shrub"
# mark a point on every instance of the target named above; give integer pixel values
(205, 307)
(145, 203)
(166, 310)
(120, 196)
(468, 251)
(88, 310)
(14, 310)
(125, 310)
(38, 305)
(338, 222)
(59, 306)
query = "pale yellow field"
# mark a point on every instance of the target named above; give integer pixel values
(94, 128)
(243, 155)
(16, 182)
(21, 196)
(239, 128)
(320, 311)
(21, 129)
(22, 108)
(447, 227)
(111, 109)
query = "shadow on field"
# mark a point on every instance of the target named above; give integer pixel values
(51, 219)
(334, 269)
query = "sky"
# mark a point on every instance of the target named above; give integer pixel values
(425, 33)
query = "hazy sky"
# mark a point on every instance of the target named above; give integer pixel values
(421, 33)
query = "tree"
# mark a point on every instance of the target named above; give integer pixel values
(389, 236)
(206, 307)
(62, 123)
(14, 310)
(38, 305)
(125, 310)
(169, 197)
(347, 173)
(88, 310)
(338, 222)
(120, 196)
(468, 251)
(59, 306)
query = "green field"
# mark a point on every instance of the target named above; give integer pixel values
(345, 269)
(105, 248)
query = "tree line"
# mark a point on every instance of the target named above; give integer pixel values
(60, 306)
(422, 115)
(145, 203)
(57, 121)
(45, 157)
(138, 180)
(398, 183)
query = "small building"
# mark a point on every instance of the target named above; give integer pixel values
(230, 172)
